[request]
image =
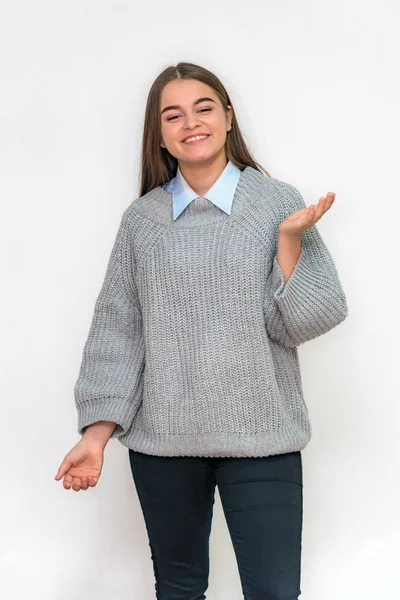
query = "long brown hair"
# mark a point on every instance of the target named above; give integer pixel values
(158, 166)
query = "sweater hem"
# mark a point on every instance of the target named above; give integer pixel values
(287, 439)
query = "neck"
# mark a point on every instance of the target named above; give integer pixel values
(201, 175)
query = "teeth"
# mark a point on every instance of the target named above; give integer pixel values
(198, 137)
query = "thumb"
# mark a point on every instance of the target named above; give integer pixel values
(64, 468)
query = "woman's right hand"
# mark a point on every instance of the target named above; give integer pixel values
(82, 465)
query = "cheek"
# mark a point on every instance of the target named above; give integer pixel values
(218, 125)
(173, 134)
(168, 136)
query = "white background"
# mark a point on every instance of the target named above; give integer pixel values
(315, 88)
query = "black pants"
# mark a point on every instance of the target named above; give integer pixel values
(262, 503)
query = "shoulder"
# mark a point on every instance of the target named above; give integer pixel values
(275, 194)
(152, 207)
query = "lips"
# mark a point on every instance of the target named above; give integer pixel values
(196, 135)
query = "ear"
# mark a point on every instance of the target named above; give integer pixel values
(229, 117)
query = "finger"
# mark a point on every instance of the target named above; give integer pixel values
(84, 483)
(67, 481)
(326, 203)
(307, 218)
(76, 484)
(320, 209)
(93, 481)
(63, 468)
(311, 212)
(330, 198)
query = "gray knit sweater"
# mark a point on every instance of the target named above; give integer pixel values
(192, 348)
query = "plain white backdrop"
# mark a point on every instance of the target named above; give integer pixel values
(316, 92)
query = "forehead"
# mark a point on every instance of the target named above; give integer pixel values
(185, 92)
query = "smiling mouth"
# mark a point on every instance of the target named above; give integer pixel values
(196, 141)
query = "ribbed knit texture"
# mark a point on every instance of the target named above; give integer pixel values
(192, 348)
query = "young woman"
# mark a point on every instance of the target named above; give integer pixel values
(216, 275)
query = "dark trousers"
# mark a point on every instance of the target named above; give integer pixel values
(262, 503)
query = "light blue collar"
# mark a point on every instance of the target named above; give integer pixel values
(221, 193)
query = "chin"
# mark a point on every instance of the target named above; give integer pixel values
(201, 156)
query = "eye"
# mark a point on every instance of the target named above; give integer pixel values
(176, 116)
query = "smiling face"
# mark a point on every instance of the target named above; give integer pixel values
(196, 111)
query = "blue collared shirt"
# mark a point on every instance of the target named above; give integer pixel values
(221, 193)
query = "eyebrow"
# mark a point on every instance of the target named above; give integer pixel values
(176, 106)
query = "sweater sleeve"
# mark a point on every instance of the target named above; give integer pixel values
(109, 385)
(312, 300)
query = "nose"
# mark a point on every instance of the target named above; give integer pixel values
(191, 121)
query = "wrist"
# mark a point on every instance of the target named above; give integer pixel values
(99, 432)
(289, 237)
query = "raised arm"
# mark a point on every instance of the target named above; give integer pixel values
(304, 297)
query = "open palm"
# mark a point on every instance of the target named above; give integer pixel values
(82, 466)
(303, 219)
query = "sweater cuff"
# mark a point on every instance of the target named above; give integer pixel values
(116, 410)
(296, 291)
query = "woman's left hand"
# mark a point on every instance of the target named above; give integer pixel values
(306, 217)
